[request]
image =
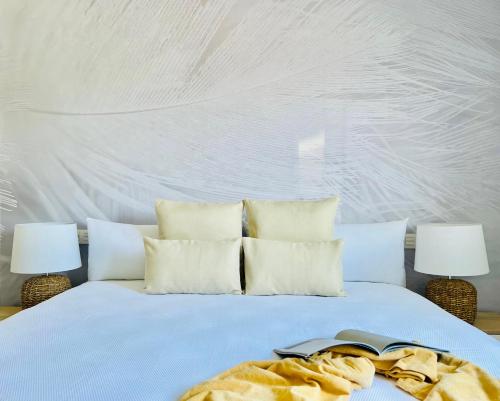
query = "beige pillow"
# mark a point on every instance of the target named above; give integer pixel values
(295, 268)
(292, 220)
(201, 221)
(192, 266)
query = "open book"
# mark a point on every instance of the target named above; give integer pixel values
(363, 339)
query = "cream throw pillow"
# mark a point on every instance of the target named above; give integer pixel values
(291, 220)
(295, 268)
(200, 221)
(192, 266)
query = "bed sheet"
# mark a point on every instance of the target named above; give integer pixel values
(107, 340)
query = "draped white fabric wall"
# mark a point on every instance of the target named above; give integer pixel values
(394, 105)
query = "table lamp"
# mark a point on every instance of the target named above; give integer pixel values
(44, 248)
(452, 250)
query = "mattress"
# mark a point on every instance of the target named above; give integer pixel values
(109, 341)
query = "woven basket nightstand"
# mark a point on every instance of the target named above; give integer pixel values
(456, 296)
(40, 288)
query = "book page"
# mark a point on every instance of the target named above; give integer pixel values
(378, 341)
(310, 347)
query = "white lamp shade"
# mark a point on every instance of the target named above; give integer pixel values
(45, 248)
(451, 250)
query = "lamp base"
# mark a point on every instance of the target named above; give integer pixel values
(459, 297)
(40, 288)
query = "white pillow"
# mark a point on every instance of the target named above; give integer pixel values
(374, 252)
(302, 220)
(116, 250)
(295, 268)
(200, 221)
(192, 266)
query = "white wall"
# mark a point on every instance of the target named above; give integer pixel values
(394, 105)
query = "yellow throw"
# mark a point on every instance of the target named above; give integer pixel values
(331, 376)
(457, 380)
(286, 380)
(413, 363)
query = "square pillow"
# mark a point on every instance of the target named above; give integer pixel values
(291, 220)
(116, 250)
(200, 221)
(294, 268)
(192, 266)
(374, 252)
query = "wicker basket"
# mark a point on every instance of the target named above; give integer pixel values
(40, 288)
(458, 297)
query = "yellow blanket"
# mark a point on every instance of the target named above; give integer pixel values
(332, 376)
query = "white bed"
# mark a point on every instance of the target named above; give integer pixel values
(106, 340)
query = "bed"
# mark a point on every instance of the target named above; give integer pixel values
(106, 340)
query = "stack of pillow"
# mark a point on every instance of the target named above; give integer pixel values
(198, 250)
(290, 249)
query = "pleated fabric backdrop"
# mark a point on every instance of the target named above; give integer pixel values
(108, 105)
